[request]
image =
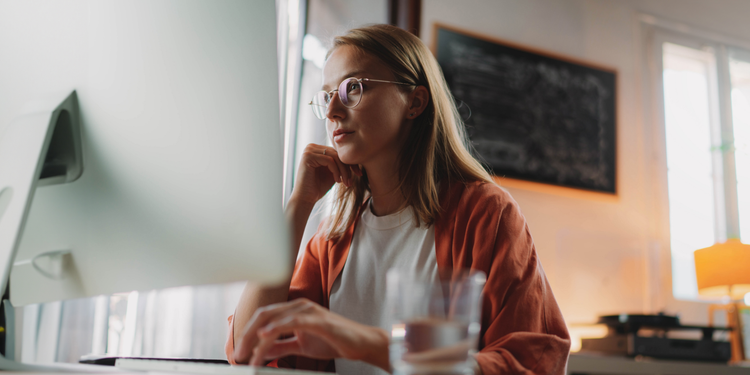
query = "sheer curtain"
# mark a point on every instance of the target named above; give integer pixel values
(175, 322)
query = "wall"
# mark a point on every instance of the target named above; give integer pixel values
(601, 256)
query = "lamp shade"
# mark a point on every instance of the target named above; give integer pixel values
(723, 269)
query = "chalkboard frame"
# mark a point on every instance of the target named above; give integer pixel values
(547, 187)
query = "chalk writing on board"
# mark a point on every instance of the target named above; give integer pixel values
(534, 117)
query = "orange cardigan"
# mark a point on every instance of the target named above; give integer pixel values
(482, 228)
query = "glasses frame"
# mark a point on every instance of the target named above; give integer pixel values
(329, 94)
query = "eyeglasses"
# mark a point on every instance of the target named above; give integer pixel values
(350, 93)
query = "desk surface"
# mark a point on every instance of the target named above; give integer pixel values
(591, 364)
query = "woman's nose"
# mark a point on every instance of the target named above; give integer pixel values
(335, 109)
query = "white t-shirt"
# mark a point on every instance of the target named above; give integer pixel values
(380, 243)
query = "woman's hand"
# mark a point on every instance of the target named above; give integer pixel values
(319, 168)
(317, 333)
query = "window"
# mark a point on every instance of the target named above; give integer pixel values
(739, 69)
(706, 107)
(325, 20)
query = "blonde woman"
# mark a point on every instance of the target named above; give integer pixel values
(410, 196)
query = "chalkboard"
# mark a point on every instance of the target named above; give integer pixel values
(534, 116)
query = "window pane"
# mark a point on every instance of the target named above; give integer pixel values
(689, 161)
(325, 19)
(740, 73)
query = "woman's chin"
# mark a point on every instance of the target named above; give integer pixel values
(347, 156)
(349, 160)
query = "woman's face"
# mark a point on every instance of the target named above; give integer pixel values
(375, 129)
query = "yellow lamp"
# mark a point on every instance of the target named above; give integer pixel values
(724, 270)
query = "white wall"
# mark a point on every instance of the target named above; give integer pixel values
(601, 257)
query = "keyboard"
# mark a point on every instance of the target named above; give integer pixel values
(195, 367)
(110, 361)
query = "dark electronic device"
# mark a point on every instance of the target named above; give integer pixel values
(110, 361)
(646, 335)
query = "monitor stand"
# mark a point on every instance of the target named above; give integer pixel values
(41, 147)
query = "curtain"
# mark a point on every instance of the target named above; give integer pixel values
(175, 322)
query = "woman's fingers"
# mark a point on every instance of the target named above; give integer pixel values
(261, 318)
(344, 172)
(319, 333)
(270, 347)
(265, 344)
(289, 324)
(283, 348)
(268, 339)
(356, 169)
(322, 156)
(313, 159)
(304, 319)
(330, 163)
(259, 353)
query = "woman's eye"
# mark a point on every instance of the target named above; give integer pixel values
(353, 89)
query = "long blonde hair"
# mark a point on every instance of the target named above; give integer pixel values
(436, 147)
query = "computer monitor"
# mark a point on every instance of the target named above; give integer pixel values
(181, 179)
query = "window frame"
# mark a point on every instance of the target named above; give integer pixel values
(654, 33)
(292, 15)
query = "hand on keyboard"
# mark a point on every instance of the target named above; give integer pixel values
(315, 332)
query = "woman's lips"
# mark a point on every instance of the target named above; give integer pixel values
(339, 136)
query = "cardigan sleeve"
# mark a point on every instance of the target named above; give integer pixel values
(307, 279)
(523, 331)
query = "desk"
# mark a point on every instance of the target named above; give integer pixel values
(592, 364)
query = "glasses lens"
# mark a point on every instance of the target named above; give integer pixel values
(319, 104)
(350, 92)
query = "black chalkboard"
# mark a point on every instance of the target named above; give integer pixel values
(534, 117)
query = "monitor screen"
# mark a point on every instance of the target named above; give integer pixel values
(181, 180)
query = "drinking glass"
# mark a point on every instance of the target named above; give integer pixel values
(434, 325)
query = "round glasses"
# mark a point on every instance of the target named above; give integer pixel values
(350, 93)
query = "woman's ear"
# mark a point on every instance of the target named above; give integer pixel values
(418, 100)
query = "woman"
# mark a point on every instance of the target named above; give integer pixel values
(410, 196)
